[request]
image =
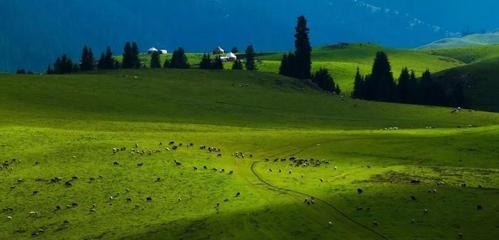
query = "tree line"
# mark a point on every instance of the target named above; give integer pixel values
(298, 64)
(380, 85)
(131, 60)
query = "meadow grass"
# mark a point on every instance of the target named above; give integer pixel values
(66, 126)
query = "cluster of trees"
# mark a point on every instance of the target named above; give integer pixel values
(131, 60)
(208, 63)
(299, 63)
(325, 81)
(380, 85)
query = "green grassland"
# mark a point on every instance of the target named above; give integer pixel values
(64, 128)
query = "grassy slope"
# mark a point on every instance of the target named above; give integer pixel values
(482, 81)
(468, 55)
(66, 126)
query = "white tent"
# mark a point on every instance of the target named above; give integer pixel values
(231, 56)
(163, 51)
(152, 50)
(218, 50)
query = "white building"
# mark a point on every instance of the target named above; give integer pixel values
(218, 50)
(152, 50)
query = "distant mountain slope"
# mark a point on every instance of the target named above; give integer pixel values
(33, 33)
(470, 54)
(470, 40)
(481, 80)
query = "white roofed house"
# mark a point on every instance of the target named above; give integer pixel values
(218, 50)
(231, 56)
(163, 51)
(152, 50)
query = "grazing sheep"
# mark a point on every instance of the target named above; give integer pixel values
(128, 199)
(195, 168)
(202, 147)
(375, 223)
(460, 235)
(413, 221)
(158, 179)
(116, 163)
(9, 218)
(270, 170)
(68, 184)
(140, 164)
(223, 170)
(479, 207)
(179, 199)
(149, 199)
(238, 194)
(231, 172)
(33, 214)
(320, 179)
(205, 167)
(330, 223)
(177, 163)
(426, 211)
(111, 198)
(219, 155)
(360, 191)
(172, 142)
(35, 192)
(218, 205)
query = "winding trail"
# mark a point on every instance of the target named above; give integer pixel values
(303, 194)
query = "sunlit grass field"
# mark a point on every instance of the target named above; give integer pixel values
(108, 155)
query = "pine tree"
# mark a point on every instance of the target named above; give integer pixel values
(217, 64)
(87, 59)
(250, 58)
(358, 86)
(135, 56)
(404, 88)
(64, 65)
(381, 84)
(413, 88)
(128, 61)
(303, 52)
(324, 80)
(107, 60)
(205, 62)
(155, 60)
(238, 65)
(426, 88)
(234, 50)
(179, 60)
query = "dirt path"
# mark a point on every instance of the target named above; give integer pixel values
(340, 213)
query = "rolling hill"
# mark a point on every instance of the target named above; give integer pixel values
(466, 41)
(481, 81)
(192, 154)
